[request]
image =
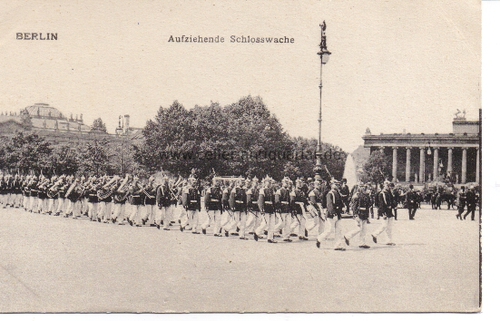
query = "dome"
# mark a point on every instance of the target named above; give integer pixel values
(43, 110)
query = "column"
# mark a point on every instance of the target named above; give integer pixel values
(449, 168)
(478, 165)
(408, 158)
(394, 163)
(435, 168)
(421, 169)
(464, 165)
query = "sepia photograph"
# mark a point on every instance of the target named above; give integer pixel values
(176, 157)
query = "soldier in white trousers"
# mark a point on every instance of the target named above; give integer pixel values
(361, 203)
(334, 209)
(385, 203)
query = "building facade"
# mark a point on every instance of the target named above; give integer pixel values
(48, 122)
(420, 158)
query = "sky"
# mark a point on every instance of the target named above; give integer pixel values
(395, 65)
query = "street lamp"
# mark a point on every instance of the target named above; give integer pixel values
(324, 55)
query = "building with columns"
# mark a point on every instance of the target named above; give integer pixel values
(420, 158)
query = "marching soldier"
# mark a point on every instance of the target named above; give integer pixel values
(74, 195)
(61, 197)
(92, 198)
(361, 203)
(119, 200)
(470, 197)
(385, 209)
(298, 204)
(238, 204)
(282, 201)
(254, 218)
(149, 202)
(163, 203)
(213, 206)
(192, 204)
(104, 195)
(229, 222)
(266, 206)
(462, 200)
(344, 194)
(334, 210)
(314, 210)
(395, 199)
(135, 200)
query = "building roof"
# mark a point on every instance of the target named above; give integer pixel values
(43, 110)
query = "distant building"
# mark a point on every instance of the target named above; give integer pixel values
(420, 158)
(48, 122)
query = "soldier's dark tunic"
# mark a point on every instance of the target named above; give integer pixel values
(149, 195)
(238, 200)
(135, 197)
(334, 204)
(119, 197)
(361, 205)
(76, 193)
(92, 194)
(225, 199)
(385, 203)
(17, 186)
(42, 190)
(297, 199)
(282, 201)
(163, 196)
(253, 200)
(213, 199)
(193, 200)
(266, 201)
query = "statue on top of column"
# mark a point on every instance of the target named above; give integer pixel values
(322, 44)
(460, 114)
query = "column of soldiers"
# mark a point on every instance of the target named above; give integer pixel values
(246, 208)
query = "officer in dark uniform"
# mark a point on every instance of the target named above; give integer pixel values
(470, 198)
(396, 194)
(412, 202)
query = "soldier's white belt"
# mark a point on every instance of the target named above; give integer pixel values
(239, 202)
(283, 202)
(268, 202)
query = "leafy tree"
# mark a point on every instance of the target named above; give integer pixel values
(243, 138)
(98, 125)
(27, 153)
(65, 159)
(95, 158)
(377, 168)
(333, 158)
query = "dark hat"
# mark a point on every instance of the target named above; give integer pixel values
(411, 186)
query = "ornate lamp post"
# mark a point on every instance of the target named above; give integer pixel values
(324, 55)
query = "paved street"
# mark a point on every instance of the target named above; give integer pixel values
(56, 264)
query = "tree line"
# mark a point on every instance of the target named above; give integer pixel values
(246, 130)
